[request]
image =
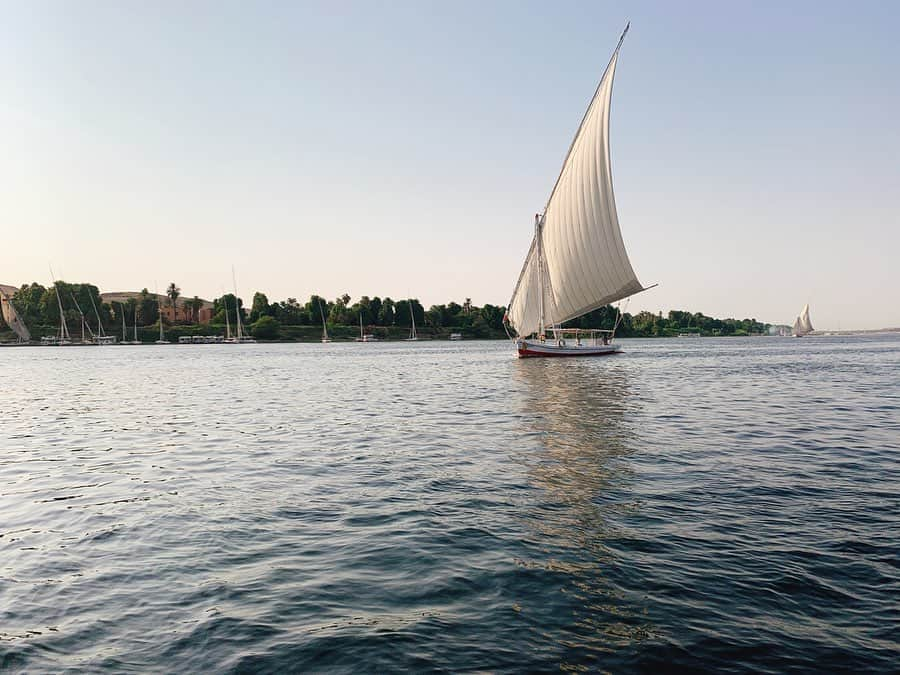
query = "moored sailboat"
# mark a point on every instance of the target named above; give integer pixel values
(412, 330)
(365, 337)
(63, 338)
(136, 341)
(325, 337)
(240, 336)
(577, 260)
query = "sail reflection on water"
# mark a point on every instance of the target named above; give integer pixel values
(582, 412)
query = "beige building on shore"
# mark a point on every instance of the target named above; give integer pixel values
(183, 310)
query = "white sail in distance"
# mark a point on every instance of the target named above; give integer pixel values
(577, 261)
(802, 324)
(805, 323)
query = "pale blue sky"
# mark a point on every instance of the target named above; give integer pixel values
(403, 148)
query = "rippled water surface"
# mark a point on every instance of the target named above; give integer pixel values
(714, 503)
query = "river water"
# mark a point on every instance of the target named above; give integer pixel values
(729, 504)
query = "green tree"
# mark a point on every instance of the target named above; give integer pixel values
(434, 316)
(266, 328)
(228, 301)
(340, 314)
(173, 292)
(260, 306)
(401, 313)
(290, 312)
(27, 301)
(148, 308)
(387, 315)
(317, 306)
(375, 309)
(195, 304)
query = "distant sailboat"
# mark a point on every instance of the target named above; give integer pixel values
(802, 324)
(364, 337)
(84, 324)
(228, 338)
(162, 337)
(124, 328)
(135, 341)
(325, 337)
(101, 338)
(239, 329)
(412, 330)
(63, 337)
(577, 262)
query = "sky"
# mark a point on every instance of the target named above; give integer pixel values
(401, 149)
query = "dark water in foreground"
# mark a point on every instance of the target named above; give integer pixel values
(728, 504)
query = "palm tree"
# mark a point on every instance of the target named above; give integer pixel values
(173, 292)
(196, 305)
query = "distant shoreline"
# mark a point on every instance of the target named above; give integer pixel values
(446, 338)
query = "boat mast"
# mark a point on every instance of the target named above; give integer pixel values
(412, 316)
(83, 320)
(227, 322)
(63, 329)
(97, 314)
(237, 307)
(124, 328)
(62, 320)
(159, 311)
(538, 222)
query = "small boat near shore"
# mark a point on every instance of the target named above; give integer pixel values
(365, 337)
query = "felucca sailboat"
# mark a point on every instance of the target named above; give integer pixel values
(802, 324)
(413, 337)
(577, 262)
(364, 337)
(240, 336)
(162, 336)
(325, 337)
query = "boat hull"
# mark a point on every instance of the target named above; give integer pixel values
(537, 349)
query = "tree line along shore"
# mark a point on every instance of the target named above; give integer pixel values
(290, 320)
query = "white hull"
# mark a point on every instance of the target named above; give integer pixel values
(536, 348)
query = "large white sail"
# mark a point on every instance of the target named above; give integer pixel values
(577, 261)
